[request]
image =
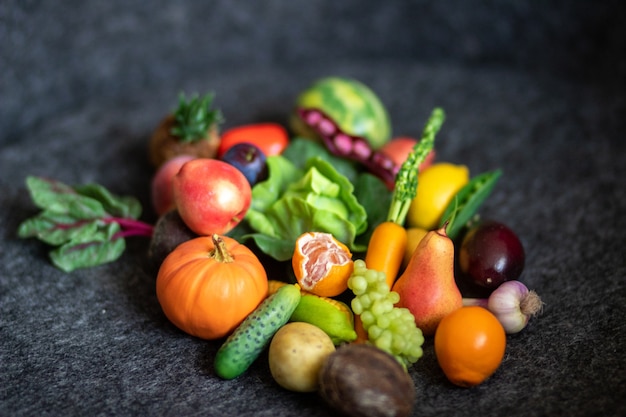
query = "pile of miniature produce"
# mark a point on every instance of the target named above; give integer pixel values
(367, 238)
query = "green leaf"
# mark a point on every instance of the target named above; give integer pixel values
(50, 194)
(279, 249)
(56, 229)
(300, 150)
(282, 172)
(118, 206)
(84, 223)
(82, 207)
(55, 196)
(87, 251)
(375, 197)
(467, 201)
(319, 191)
(194, 117)
(356, 212)
(288, 218)
(293, 201)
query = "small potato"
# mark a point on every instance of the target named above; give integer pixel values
(296, 354)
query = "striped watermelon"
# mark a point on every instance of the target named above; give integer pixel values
(353, 107)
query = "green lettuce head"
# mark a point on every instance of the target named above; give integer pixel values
(293, 201)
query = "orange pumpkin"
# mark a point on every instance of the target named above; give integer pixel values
(207, 285)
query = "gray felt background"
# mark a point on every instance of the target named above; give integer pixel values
(535, 88)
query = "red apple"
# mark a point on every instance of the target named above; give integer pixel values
(399, 148)
(162, 190)
(211, 196)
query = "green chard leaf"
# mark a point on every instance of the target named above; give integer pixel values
(124, 206)
(87, 224)
(56, 197)
(55, 228)
(89, 250)
(50, 194)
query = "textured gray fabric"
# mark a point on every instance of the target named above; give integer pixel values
(534, 89)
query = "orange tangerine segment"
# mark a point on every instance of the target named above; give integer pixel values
(322, 264)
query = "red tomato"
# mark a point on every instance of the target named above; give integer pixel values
(271, 138)
(399, 148)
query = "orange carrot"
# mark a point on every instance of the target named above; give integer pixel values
(386, 249)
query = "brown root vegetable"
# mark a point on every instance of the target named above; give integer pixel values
(170, 231)
(360, 380)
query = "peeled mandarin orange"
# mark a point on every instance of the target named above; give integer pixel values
(469, 345)
(322, 264)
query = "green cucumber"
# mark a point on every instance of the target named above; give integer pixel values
(249, 339)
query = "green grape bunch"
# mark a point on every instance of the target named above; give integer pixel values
(389, 328)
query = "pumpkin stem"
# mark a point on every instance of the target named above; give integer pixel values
(220, 253)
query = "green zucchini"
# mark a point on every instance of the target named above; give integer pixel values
(249, 339)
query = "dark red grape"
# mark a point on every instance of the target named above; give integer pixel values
(490, 254)
(249, 159)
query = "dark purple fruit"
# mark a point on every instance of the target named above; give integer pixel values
(249, 159)
(490, 254)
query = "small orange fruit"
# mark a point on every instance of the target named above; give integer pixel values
(322, 264)
(469, 345)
